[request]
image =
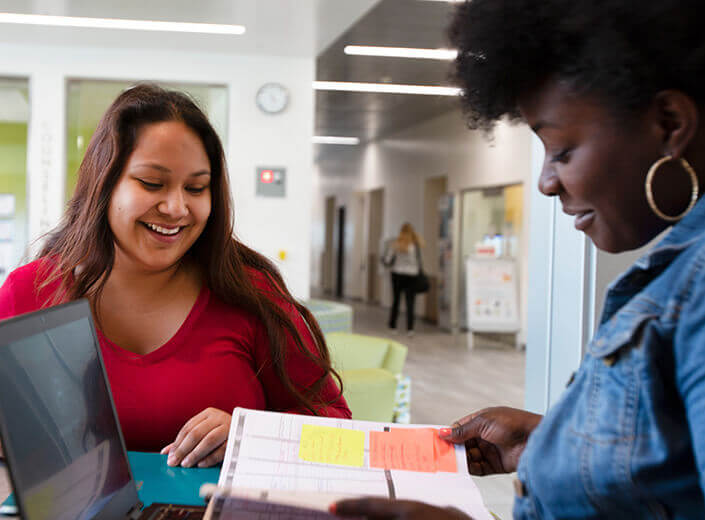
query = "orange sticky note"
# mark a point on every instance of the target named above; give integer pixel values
(411, 449)
(444, 453)
(407, 449)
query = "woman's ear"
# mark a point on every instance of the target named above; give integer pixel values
(678, 120)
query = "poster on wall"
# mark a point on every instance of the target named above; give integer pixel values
(492, 292)
(7, 205)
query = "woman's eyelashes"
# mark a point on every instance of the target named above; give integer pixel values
(155, 186)
(562, 156)
(152, 186)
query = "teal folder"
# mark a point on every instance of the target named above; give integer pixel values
(157, 482)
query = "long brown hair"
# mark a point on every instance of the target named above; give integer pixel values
(407, 236)
(84, 238)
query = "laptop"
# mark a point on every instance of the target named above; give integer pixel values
(58, 426)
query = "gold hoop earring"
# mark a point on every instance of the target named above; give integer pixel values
(650, 195)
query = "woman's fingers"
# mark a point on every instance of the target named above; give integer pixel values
(459, 432)
(182, 449)
(483, 457)
(201, 435)
(491, 455)
(215, 457)
(190, 425)
(208, 443)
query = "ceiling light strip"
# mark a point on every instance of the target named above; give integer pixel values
(329, 139)
(401, 52)
(120, 23)
(386, 88)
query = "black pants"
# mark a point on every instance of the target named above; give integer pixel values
(403, 283)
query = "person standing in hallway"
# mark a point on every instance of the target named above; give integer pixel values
(404, 258)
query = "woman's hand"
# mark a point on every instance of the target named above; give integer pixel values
(384, 509)
(201, 441)
(494, 438)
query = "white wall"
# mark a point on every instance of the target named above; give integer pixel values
(400, 163)
(268, 225)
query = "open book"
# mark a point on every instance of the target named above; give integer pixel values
(287, 466)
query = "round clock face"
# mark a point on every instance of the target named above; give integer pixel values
(272, 98)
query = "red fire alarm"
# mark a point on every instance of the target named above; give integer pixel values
(267, 176)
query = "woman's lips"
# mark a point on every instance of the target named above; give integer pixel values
(166, 239)
(584, 220)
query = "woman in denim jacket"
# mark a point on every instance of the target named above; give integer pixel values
(615, 90)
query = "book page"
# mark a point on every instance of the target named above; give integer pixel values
(267, 451)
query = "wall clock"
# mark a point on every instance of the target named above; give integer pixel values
(272, 98)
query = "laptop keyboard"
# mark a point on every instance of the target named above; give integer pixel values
(172, 512)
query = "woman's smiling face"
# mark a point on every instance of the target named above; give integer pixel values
(162, 200)
(596, 163)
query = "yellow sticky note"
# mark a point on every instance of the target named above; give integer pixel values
(332, 445)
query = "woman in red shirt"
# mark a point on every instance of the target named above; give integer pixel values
(191, 322)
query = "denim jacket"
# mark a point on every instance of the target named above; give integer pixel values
(627, 437)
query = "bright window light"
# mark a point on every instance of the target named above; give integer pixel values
(386, 88)
(401, 52)
(329, 139)
(119, 23)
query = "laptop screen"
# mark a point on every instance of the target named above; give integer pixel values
(61, 437)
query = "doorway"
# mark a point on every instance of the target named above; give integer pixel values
(340, 260)
(358, 260)
(14, 211)
(374, 237)
(328, 256)
(434, 190)
(491, 227)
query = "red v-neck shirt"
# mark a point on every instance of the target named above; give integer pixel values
(218, 358)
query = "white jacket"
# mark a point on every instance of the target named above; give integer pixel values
(405, 262)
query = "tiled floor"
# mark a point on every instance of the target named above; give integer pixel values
(449, 381)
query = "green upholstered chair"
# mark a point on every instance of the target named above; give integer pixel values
(369, 367)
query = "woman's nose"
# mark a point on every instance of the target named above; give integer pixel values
(549, 184)
(174, 205)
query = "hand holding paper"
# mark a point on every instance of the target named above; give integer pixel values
(494, 438)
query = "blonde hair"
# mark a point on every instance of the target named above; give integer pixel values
(407, 236)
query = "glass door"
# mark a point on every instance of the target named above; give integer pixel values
(14, 116)
(491, 227)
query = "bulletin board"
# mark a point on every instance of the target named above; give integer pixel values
(492, 295)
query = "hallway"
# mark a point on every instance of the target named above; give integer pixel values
(448, 381)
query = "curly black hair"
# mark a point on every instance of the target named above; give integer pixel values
(621, 51)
